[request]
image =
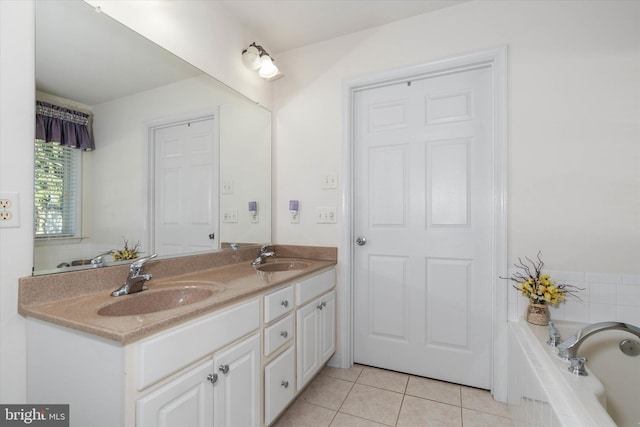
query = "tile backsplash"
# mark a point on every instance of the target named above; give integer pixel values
(604, 297)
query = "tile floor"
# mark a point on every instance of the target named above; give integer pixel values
(367, 397)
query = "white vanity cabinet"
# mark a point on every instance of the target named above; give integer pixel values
(166, 379)
(279, 384)
(315, 324)
(240, 365)
(220, 392)
(236, 392)
(315, 335)
(180, 403)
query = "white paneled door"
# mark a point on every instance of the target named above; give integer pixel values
(423, 223)
(186, 195)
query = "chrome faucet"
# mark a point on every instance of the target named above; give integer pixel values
(262, 254)
(98, 260)
(136, 278)
(568, 349)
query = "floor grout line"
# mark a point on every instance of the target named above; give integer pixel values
(461, 406)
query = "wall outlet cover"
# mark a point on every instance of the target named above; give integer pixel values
(9, 210)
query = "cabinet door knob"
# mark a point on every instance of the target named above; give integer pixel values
(224, 369)
(212, 378)
(284, 383)
(284, 334)
(321, 305)
(284, 303)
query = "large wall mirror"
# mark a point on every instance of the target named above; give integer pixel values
(146, 106)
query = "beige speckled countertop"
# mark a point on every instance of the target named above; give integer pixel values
(232, 280)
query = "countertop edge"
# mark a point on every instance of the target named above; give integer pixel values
(182, 315)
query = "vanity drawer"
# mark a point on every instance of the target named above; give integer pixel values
(314, 286)
(176, 348)
(279, 382)
(278, 303)
(276, 335)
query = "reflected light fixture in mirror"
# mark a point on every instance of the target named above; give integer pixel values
(256, 58)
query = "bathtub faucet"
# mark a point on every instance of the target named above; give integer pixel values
(569, 349)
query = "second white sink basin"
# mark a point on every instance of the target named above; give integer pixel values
(282, 266)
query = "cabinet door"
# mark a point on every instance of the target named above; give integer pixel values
(307, 339)
(184, 402)
(236, 394)
(278, 385)
(327, 326)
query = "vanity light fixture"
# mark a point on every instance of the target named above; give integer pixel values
(256, 58)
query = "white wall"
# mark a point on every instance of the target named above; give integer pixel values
(574, 110)
(17, 114)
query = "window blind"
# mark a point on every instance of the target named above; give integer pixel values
(57, 170)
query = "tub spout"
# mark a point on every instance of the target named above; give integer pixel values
(569, 348)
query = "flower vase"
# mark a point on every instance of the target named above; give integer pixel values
(538, 314)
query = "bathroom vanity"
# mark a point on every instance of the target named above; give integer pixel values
(238, 357)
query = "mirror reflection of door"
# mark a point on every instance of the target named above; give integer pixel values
(185, 187)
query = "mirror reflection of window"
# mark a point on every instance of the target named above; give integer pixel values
(56, 192)
(61, 134)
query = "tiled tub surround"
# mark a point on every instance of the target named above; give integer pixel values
(605, 297)
(72, 299)
(542, 393)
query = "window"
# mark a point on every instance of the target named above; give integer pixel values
(57, 190)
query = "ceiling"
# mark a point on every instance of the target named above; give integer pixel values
(289, 24)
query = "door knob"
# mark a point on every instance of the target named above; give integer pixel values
(212, 236)
(361, 240)
(224, 369)
(212, 378)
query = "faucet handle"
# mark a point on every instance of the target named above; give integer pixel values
(264, 248)
(140, 262)
(98, 260)
(577, 366)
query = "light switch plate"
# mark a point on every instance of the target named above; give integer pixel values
(326, 215)
(329, 180)
(230, 215)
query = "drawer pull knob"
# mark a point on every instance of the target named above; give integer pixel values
(284, 303)
(284, 334)
(212, 378)
(284, 383)
(224, 369)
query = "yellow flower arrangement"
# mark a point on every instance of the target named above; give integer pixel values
(537, 287)
(126, 252)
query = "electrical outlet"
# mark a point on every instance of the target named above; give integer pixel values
(326, 215)
(9, 210)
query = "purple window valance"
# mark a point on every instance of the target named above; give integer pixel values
(64, 126)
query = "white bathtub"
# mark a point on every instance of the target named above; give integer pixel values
(541, 392)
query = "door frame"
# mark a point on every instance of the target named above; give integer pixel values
(148, 155)
(496, 60)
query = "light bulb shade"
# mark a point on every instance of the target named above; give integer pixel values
(251, 58)
(267, 67)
